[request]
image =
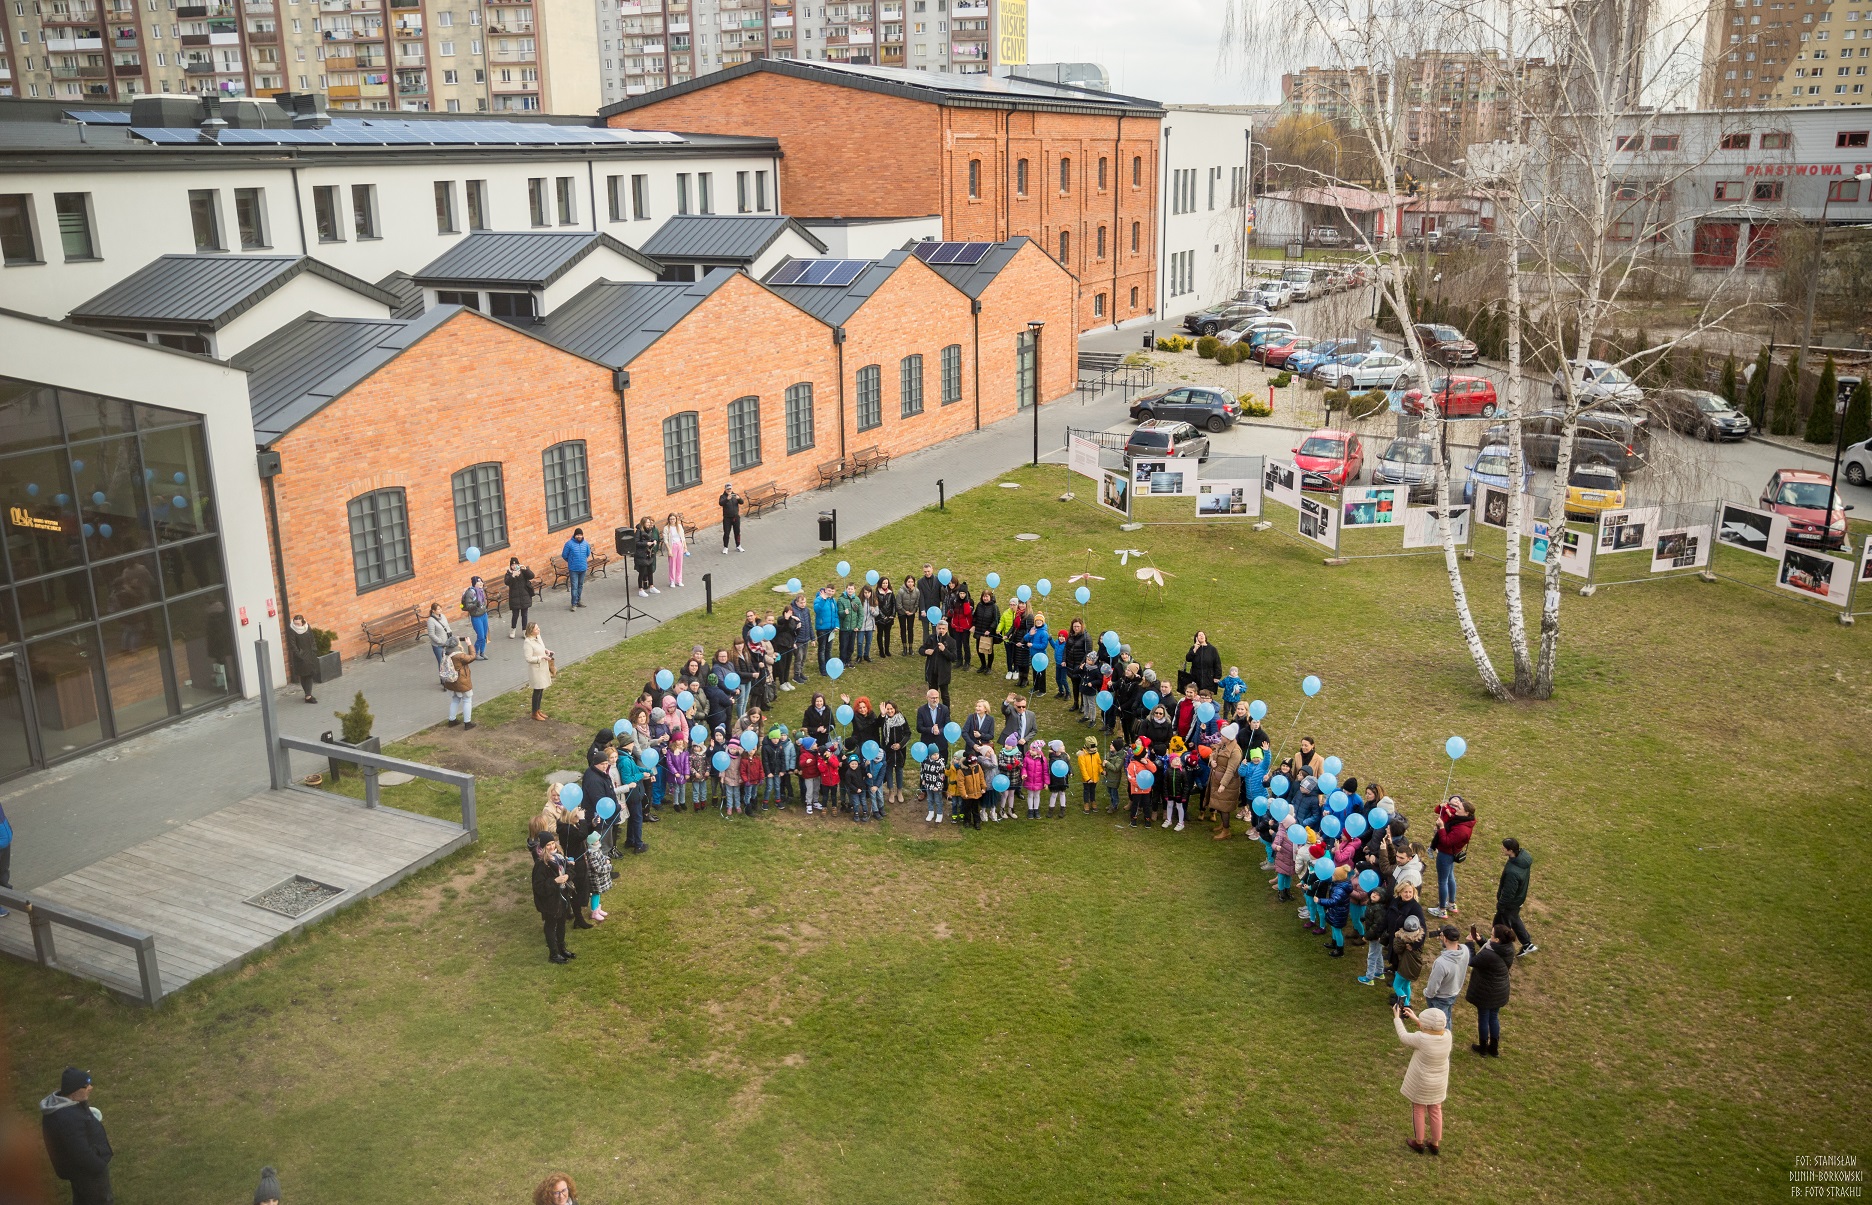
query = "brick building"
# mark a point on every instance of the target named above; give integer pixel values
(1075, 170)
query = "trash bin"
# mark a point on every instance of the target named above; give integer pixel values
(1150, 340)
(828, 526)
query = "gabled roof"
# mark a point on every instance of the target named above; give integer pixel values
(534, 258)
(973, 279)
(210, 290)
(736, 237)
(408, 293)
(835, 306)
(297, 370)
(932, 87)
(614, 322)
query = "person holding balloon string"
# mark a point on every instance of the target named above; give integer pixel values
(909, 607)
(1140, 778)
(984, 625)
(1015, 623)
(959, 609)
(831, 765)
(885, 599)
(938, 782)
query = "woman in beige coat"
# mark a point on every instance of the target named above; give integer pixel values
(1426, 1080)
(540, 668)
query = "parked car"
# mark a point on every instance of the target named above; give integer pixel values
(1198, 405)
(1209, 321)
(1260, 336)
(1325, 236)
(1409, 462)
(1418, 242)
(1620, 440)
(1455, 397)
(1375, 370)
(1804, 496)
(1276, 353)
(1305, 362)
(1446, 345)
(1329, 459)
(1301, 282)
(1236, 334)
(1597, 383)
(1593, 488)
(1700, 413)
(1166, 438)
(1490, 467)
(1273, 294)
(1856, 463)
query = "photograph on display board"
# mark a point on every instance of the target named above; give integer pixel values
(1814, 575)
(1420, 526)
(1682, 548)
(1318, 521)
(1865, 563)
(1281, 482)
(1751, 530)
(1576, 552)
(1228, 499)
(1164, 478)
(1372, 506)
(1115, 492)
(1626, 530)
(1538, 543)
(1493, 504)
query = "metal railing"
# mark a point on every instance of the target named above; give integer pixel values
(43, 914)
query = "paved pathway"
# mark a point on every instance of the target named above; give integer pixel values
(85, 810)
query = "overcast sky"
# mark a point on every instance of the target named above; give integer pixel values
(1161, 49)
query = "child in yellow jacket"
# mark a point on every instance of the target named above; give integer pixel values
(1091, 769)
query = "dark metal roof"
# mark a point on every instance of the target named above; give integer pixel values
(934, 87)
(972, 279)
(408, 293)
(297, 370)
(210, 290)
(614, 322)
(736, 238)
(526, 258)
(835, 306)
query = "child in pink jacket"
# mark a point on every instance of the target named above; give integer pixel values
(1283, 862)
(1034, 777)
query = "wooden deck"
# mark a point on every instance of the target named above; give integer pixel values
(189, 886)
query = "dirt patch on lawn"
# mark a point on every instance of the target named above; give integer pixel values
(506, 749)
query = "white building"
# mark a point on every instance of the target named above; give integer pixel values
(1204, 208)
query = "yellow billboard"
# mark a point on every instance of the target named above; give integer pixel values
(1012, 36)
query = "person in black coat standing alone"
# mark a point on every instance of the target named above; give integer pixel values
(941, 652)
(302, 653)
(75, 1139)
(552, 898)
(730, 503)
(1201, 665)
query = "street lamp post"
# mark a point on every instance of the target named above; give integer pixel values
(1033, 329)
(1806, 344)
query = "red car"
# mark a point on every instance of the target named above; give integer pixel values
(1275, 353)
(1456, 397)
(1329, 460)
(1804, 496)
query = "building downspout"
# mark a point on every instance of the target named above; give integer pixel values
(620, 381)
(299, 211)
(591, 199)
(279, 557)
(1163, 238)
(838, 346)
(975, 321)
(1117, 158)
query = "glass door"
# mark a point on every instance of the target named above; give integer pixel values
(16, 728)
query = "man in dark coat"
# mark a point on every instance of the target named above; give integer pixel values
(929, 594)
(931, 719)
(75, 1139)
(1512, 892)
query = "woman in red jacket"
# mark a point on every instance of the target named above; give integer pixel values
(1455, 824)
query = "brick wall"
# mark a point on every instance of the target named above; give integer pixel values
(472, 391)
(1031, 287)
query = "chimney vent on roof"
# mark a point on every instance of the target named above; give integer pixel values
(212, 123)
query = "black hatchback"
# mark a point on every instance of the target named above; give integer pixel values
(1215, 410)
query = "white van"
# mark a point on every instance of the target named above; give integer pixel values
(1299, 282)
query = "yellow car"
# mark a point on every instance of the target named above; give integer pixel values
(1593, 488)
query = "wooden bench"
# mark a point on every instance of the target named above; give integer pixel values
(866, 459)
(594, 567)
(834, 471)
(405, 623)
(764, 496)
(496, 597)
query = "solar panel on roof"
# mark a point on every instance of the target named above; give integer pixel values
(847, 270)
(951, 253)
(98, 117)
(790, 272)
(166, 137)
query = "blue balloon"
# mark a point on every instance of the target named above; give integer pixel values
(149, 474)
(97, 497)
(1044, 586)
(720, 760)
(1039, 662)
(61, 499)
(1455, 746)
(178, 502)
(1296, 835)
(871, 751)
(732, 682)
(1333, 765)
(104, 529)
(1310, 685)
(1260, 807)
(1150, 700)
(473, 554)
(1279, 785)
(1331, 826)
(871, 577)
(1378, 818)
(32, 491)
(749, 741)
(1059, 767)
(952, 731)
(1328, 783)
(1083, 594)
(919, 751)
(1111, 642)
(1280, 809)
(944, 576)
(1104, 700)
(665, 679)
(1338, 801)
(1205, 711)
(649, 758)
(685, 699)
(1322, 869)
(844, 713)
(843, 567)
(77, 466)
(934, 615)
(1146, 779)
(607, 808)
(89, 531)
(571, 795)
(999, 782)
(1368, 880)
(179, 478)
(793, 585)
(1257, 710)
(1023, 592)
(1355, 825)
(835, 668)
(620, 728)
(698, 734)
(994, 581)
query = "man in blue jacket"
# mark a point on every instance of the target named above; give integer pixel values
(825, 622)
(577, 554)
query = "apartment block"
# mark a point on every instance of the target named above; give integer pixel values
(1786, 55)
(1449, 99)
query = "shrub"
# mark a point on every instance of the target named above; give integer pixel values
(1364, 405)
(325, 640)
(1206, 347)
(1282, 380)
(1757, 394)
(1232, 353)
(1787, 398)
(1820, 417)
(1337, 399)
(1137, 359)
(1254, 406)
(1311, 383)
(1730, 386)
(1174, 343)
(357, 721)
(1858, 420)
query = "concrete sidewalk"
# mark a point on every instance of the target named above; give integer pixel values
(79, 812)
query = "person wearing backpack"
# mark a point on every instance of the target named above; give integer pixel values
(440, 637)
(457, 675)
(474, 604)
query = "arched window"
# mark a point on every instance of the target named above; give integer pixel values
(1065, 246)
(380, 539)
(870, 397)
(1101, 242)
(910, 386)
(568, 487)
(743, 433)
(1065, 175)
(682, 451)
(799, 417)
(952, 373)
(480, 509)
(974, 179)
(1103, 162)
(1137, 232)
(1020, 177)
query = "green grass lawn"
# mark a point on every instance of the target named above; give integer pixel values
(799, 1011)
